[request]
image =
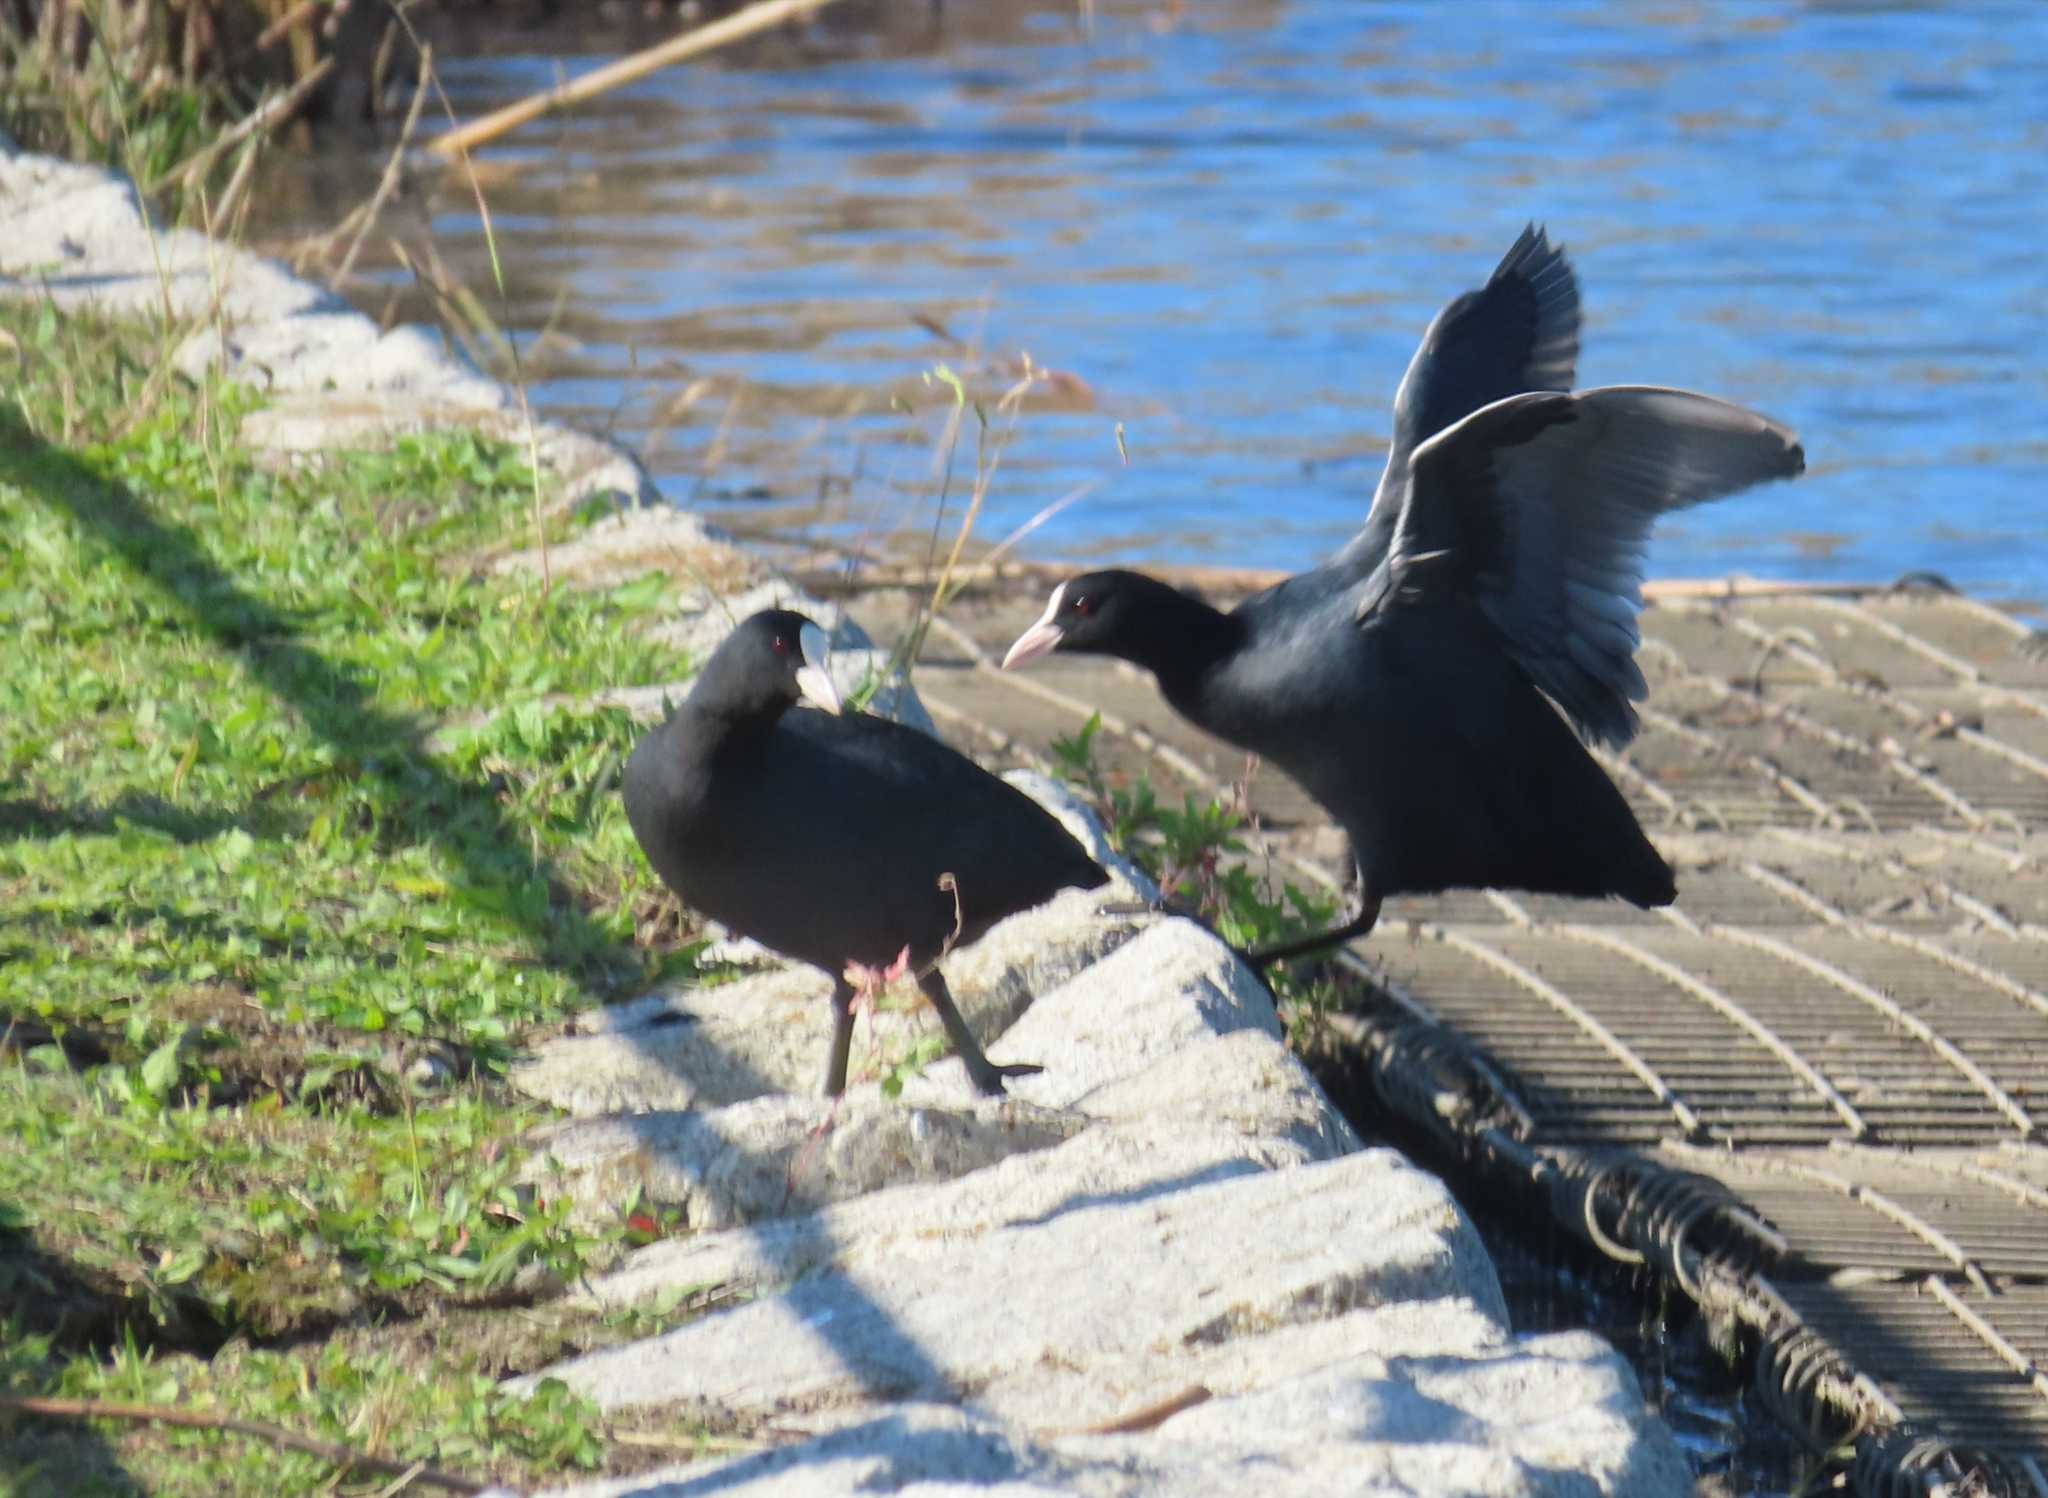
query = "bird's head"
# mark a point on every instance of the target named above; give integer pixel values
(1099, 613)
(770, 662)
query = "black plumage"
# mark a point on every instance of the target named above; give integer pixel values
(823, 836)
(1404, 683)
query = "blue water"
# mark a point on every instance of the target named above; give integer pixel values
(1231, 222)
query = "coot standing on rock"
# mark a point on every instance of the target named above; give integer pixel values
(824, 835)
(1403, 684)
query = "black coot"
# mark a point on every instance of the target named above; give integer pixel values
(1403, 684)
(824, 836)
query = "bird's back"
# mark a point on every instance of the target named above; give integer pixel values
(1432, 748)
(825, 840)
(926, 810)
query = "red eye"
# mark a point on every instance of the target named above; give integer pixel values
(781, 646)
(1081, 605)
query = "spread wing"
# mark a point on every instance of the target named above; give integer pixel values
(1539, 507)
(1518, 332)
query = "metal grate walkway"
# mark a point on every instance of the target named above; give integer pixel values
(1844, 1020)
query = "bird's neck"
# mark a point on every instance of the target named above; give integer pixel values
(1183, 640)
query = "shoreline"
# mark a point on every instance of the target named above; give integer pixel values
(1327, 1318)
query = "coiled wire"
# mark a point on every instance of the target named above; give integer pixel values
(1640, 1211)
(1801, 1379)
(1643, 1212)
(1433, 1078)
(1907, 1464)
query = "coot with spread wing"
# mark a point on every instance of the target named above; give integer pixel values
(1404, 684)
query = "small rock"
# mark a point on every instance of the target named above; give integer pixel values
(773, 1156)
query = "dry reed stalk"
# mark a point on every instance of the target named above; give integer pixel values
(276, 110)
(736, 27)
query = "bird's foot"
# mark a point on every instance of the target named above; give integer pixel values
(1323, 944)
(1262, 960)
(1248, 957)
(988, 1079)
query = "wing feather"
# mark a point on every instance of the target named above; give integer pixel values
(1520, 331)
(1540, 507)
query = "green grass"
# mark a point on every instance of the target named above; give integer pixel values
(458, 1417)
(249, 875)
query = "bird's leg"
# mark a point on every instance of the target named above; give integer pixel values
(987, 1076)
(1368, 915)
(842, 1037)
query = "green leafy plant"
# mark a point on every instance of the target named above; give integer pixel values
(923, 1051)
(894, 986)
(1202, 863)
